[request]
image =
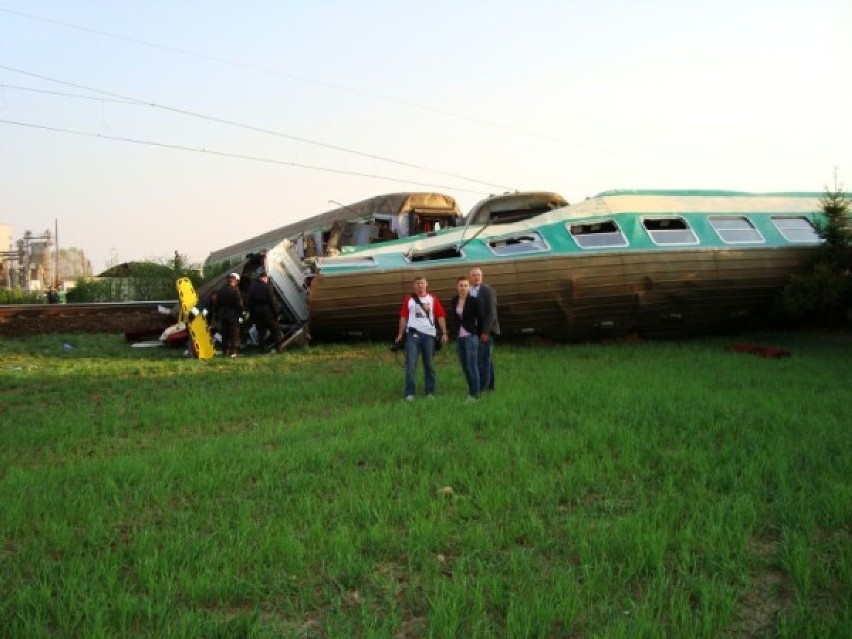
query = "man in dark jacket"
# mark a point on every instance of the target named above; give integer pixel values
(264, 310)
(231, 309)
(468, 314)
(490, 327)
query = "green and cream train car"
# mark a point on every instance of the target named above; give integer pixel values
(647, 262)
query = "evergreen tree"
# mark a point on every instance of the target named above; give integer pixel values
(823, 293)
(835, 227)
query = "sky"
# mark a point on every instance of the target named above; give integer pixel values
(141, 128)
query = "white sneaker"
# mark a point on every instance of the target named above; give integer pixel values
(409, 398)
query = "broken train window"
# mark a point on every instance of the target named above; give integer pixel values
(440, 253)
(530, 242)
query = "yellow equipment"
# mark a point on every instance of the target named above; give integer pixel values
(199, 334)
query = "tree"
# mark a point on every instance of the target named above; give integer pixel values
(835, 228)
(148, 280)
(823, 293)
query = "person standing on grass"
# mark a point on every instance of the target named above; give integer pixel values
(468, 315)
(231, 310)
(417, 317)
(264, 310)
(490, 328)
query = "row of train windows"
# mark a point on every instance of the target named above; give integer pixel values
(662, 231)
(666, 231)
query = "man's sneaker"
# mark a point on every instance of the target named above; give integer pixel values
(471, 399)
(430, 396)
(409, 398)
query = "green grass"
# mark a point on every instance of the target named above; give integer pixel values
(624, 490)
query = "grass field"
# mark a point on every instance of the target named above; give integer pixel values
(656, 489)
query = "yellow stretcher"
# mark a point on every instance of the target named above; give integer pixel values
(199, 334)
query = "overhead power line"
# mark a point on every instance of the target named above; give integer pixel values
(77, 96)
(239, 156)
(322, 83)
(248, 127)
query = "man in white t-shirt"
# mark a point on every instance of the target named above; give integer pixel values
(418, 316)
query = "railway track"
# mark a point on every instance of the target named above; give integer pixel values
(17, 320)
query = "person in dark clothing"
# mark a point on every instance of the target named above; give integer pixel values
(490, 328)
(264, 310)
(231, 309)
(208, 306)
(52, 296)
(467, 317)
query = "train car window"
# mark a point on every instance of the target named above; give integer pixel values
(605, 234)
(735, 230)
(669, 230)
(440, 253)
(530, 242)
(343, 261)
(796, 230)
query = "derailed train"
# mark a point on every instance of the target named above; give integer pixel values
(656, 263)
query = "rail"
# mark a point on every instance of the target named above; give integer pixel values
(11, 310)
(102, 317)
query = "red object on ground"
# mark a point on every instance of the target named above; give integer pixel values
(763, 351)
(178, 338)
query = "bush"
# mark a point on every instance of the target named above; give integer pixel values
(214, 270)
(123, 289)
(822, 294)
(20, 296)
(819, 296)
(135, 282)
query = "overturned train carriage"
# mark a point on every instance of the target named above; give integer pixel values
(374, 220)
(653, 263)
(284, 251)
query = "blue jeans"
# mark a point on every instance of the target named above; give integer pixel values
(468, 348)
(417, 344)
(486, 365)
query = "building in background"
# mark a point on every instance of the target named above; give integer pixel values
(31, 263)
(8, 258)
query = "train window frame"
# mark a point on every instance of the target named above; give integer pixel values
(518, 244)
(601, 234)
(792, 235)
(747, 231)
(347, 261)
(434, 254)
(662, 235)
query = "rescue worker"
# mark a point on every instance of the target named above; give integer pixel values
(231, 314)
(264, 310)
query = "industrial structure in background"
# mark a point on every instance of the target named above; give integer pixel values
(33, 262)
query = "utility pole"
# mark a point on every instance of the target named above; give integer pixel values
(56, 252)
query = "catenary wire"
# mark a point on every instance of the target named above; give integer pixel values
(248, 127)
(330, 85)
(239, 156)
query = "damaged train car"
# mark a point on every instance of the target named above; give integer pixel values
(370, 221)
(654, 263)
(287, 252)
